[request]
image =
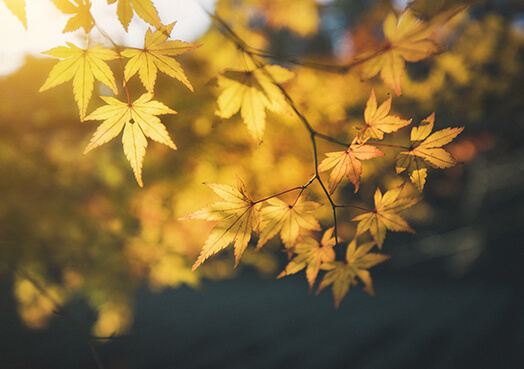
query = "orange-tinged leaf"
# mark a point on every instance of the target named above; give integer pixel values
(343, 274)
(157, 54)
(138, 120)
(17, 7)
(311, 254)
(251, 92)
(426, 150)
(81, 11)
(83, 66)
(238, 216)
(386, 215)
(287, 219)
(347, 163)
(406, 40)
(378, 121)
(360, 259)
(143, 8)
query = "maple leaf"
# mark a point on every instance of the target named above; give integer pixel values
(143, 8)
(83, 66)
(378, 121)
(343, 274)
(17, 7)
(347, 163)
(238, 216)
(251, 92)
(386, 215)
(287, 219)
(311, 255)
(427, 150)
(406, 40)
(156, 55)
(82, 17)
(138, 120)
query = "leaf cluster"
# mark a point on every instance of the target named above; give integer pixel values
(260, 91)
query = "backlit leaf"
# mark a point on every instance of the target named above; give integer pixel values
(407, 39)
(347, 163)
(386, 215)
(343, 274)
(143, 8)
(83, 66)
(378, 121)
(426, 150)
(311, 254)
(17, 7)
(138, 120)
(81, 11)
(251, 92)
(238, 216)
(157, 54)
(287, 219)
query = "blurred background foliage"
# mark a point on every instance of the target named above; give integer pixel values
(82, 228)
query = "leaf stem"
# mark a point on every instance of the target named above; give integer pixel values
(354, 207)
(279, 194)
(391, 145)
(242, 46)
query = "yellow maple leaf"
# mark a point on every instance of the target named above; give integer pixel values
(311, 254)
(251, 92)
(17, 7)
(287, 219)
(238, 216)
(143, 8)
(347, 163)
(81, 10)
(407, 39)
(386, 215)
(138, 120)
(83, 66)
(427, 150)
(157, 54)
(343, 274)
(378, 121)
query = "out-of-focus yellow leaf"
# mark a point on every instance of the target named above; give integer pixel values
(138, 120)
(238, 216)
(386, 215)
(378, 121)
(427, 150)
(35, 308)
(287, 219)
(299, 16)
(143, 8)
(407, 39)
(17, 7)
(343, 274)
(251, 92)
(311, 254)
(114, 318)
(157, 54)
(82, 17)
(347, 163)
(83, 66)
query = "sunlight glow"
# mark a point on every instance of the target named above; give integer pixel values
(45, 25)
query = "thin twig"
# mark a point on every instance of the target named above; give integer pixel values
(241, 45)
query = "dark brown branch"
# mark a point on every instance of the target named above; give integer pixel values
(242, 46)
